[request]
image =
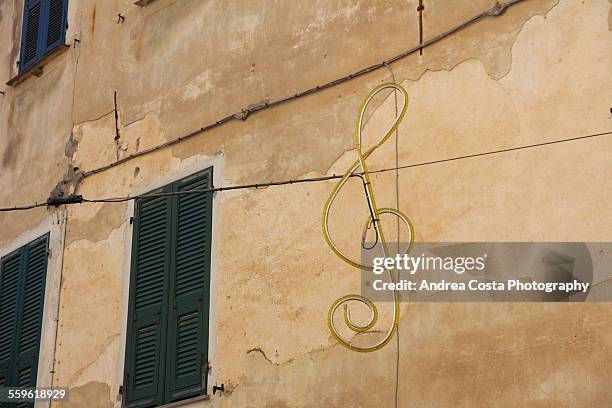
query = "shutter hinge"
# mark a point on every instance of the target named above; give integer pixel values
(123, 389)
(131, 220)
(217, 388)
(205, 370)
(49, 253)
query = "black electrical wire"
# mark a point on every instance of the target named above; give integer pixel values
(306, 180)
(23, 208)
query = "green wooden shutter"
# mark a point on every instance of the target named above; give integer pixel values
(9, 289)
(189, 290)
(31, 36)
(22, 295)
(29, 324)
(144, 361)
(167, 341)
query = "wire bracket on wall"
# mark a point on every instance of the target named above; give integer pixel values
(499, 8)
(55, 200)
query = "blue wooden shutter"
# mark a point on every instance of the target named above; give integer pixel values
(55, 29)
(44, 29)
(145, 357)
(32, 33)
(187, 355)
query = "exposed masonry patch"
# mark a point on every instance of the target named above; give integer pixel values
(71, 146)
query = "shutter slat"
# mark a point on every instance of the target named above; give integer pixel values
(187, 348)
(147, 358)
(56, 20)
(34, 296)
(31, 33)
(26, 377)
(153, 253)
(55, 24)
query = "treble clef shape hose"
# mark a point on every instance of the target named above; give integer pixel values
(360, 169)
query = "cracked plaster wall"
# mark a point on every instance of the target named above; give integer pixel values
(538, 73)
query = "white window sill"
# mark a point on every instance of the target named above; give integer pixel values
(37, 68)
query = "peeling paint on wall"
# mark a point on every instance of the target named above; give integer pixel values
(537, 73)
(93, 394)
(108, 217)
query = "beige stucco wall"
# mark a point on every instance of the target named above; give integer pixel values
(538, 73)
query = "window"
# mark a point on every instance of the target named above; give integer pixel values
(22, 294)
(167, 335)
(44, 29)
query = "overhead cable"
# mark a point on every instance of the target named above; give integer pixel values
(74, 199)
